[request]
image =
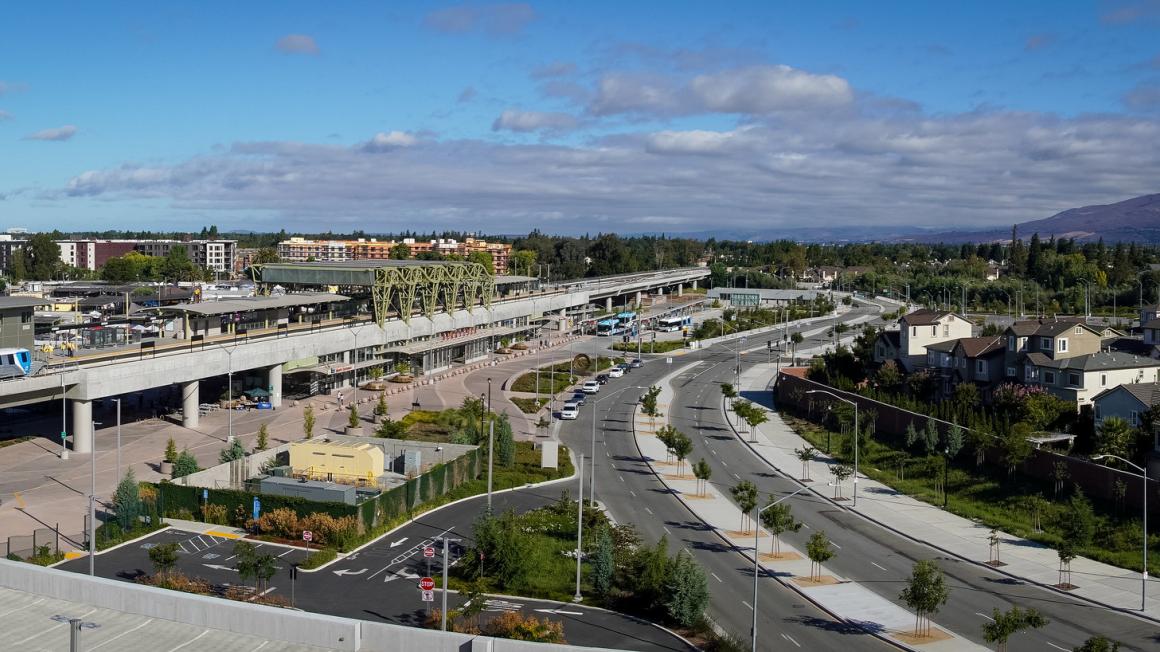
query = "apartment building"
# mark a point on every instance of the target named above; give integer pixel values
(8, 247)
(217, 255)
(302, 249)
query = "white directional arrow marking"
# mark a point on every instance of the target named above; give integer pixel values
(226, 568)
(399, 542)
(347, 571)
(401, 574)
(560, 611)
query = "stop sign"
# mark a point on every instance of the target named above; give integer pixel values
(427, 584)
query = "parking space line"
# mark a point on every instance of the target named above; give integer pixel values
(284, 554)
(125, 633)
(180, 545)
(189, 641)
(203, 541)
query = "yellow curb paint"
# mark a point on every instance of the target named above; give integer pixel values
(224, 535)
(74, 555)
(19, 499)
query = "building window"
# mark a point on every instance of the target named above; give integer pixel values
(1077, 330)
(914, 331)
(1103, 380)
(1045, 343)
(946, 331)
(1011, 371)
(934, 331)
(1073, 380)
(1022, 343)
(1133, 418)
(1049, 377)
(1030, 373)
(980, 366)
(1063, 345)
(1011, 342)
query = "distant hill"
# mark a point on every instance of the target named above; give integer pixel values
(1132, 220)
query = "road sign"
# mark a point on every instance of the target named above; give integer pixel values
(205, 495)
(427, 584)
(429, 551)
(428, 596)
(307, 535)
(257, 508)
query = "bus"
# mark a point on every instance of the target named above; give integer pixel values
(627, 320)
(671, 324)
(608, 327)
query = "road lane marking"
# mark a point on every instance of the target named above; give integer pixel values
(666, 530)
(717, 578)
(648, 510)
(189, 641)
(621, 477)
(790, 639)
(284, 554)
(985, 616)
(560, 611)
(207, 545)
(632, 492)
(724, 463)
(1056, 646)
(110, 640)
(736, 476)
(806, 526)
(712, 451)
(835, 545)
(879, 566)
(747, 605)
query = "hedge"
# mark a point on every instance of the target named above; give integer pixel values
(174, 497)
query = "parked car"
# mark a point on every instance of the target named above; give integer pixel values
(570, 411)
(615, 372)
(602, 379)
(636, 363)
(579, 398)
(590, 387)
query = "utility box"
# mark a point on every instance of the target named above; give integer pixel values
(410, 463)
(325, 492)
(549, 455)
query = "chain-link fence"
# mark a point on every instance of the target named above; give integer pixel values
(27, 545)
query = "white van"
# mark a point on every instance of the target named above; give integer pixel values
(570, 411)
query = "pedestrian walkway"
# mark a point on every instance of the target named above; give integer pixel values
(1104, 584)
(844, 599)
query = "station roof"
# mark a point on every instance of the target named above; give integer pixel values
(11, 303)
(246, 304)
(508, 279)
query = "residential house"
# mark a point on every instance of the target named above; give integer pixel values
(1056, 339)
(976, 360)
(1149, 313)
(924, 327)
(1128, 402)
(1152, 332)
(993, 272)
(1080, 378)
(886, 346)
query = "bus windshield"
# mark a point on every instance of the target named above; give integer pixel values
(607, 327)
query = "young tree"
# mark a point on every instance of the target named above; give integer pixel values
(1098, 644)
(1014, 447)
(1077, 527)
(796, 338)
(806, 454)
(930, 437)
(234, 451)
(819, 551)
(308, 422)
(667, 435)
(687, 590)
(741, 409)
(505, 444)
(381, 408)
(841, 473)
(1115, 437)
(754, 417)
(263, 438)
(245, 560)
(265, 566)
(603, 563)
(745, 494)
(681, 446)
(778, 519)
(1059, 474)
(164, 557)
(353, 420)
(980, 440)
(925, 593)
(729, 393)
(702, 471)
(127, 502)
(185, 464)
(171, 450)
(1003, 626)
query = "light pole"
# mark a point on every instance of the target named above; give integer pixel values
(1144, 574)
(230, 380)
(93, 504)
(490, 444)
(118, 439)
(64, 419)
(757, 555)
(1087, 312)
(857, 435)
(579, 530)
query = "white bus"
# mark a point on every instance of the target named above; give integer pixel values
(671, 324)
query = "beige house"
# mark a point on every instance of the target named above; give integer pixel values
(925, 327)
(1080, 378)
(1055, 339)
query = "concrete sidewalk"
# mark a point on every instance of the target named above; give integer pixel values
(846, 600)
(1027, 560)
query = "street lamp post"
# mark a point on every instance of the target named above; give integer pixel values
(118, 438)
(490, 444)
(579, 529)
(1144, 574)
(93, 503)
(857, 435)
(757, 556)
(64, 418)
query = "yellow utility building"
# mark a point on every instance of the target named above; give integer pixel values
(349, 463)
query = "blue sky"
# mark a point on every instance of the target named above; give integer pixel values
(573, 117)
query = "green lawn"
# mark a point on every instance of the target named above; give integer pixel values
(530, 405)
(550, 382)
(650, 347)
(992, 499)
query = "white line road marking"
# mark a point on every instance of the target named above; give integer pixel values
(189, 641)
(648, 510)
(717, 578)
(110, 640)
(879, 566)
(284, 554)
(632, 492)
(712, 451)
(666, 530)
(560, 611)
(182, 548)
(790, 639)
(1056, 646)
(985, 616)
(621, 477)
(724, 463)
(835, 545)
(747, 605)
(736, 476)
(805, 526)
(203, 542)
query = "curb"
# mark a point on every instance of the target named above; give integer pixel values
(668, 381)
(343, 555)
(165, 526)
(956, 555)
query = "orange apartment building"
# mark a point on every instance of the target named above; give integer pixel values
(301, 249)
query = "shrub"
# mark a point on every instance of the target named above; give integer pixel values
(127, 501)
(318, 558)
(280, 522)
(516, 626)
(211, 513)
(185, 464)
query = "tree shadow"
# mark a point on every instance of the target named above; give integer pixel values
(852, 627)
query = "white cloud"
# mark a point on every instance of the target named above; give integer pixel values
(527, 121)
(392, 140)
(505, 19)
(636, 93)
(57, 133)
(297, 44)
(689, 142)
(763, 89)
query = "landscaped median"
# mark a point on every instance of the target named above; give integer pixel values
(803, 571)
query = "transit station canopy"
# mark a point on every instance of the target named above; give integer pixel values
(246, 304)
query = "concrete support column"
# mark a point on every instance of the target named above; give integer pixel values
(608, 304)
(275, 385)
(694, 284)
(681, 289)
(638, 298)
(190, 403)
(82, 426)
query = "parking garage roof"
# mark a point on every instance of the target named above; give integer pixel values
(246, 304)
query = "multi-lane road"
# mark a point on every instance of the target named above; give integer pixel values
(878, 558)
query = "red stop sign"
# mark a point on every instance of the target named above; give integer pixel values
(427, 584)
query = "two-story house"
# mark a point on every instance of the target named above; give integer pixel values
(976, 360)
(1056, 339)
(1080, 378)
(886, 346)
(1149, 313)
(1128, 402)
(924, 327)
